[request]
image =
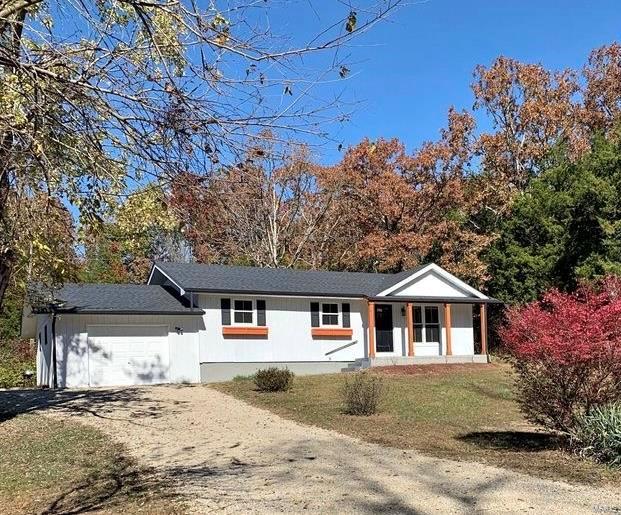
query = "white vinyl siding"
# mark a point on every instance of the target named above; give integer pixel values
(73, 349)
(289, 338)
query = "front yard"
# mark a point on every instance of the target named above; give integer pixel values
(50, 465)
(458, 412)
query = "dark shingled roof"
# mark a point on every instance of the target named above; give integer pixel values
(121, 298)
(195, 277)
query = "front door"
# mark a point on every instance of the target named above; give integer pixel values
(383, 327)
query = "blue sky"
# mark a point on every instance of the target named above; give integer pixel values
(412, 68)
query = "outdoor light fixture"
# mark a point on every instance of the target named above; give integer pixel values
(402, 311)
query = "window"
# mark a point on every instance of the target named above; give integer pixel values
(243, 312)
(329, 314)
(426, 322)
(418, 324)
(432, 324)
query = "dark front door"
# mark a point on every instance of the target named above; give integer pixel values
(383, 327)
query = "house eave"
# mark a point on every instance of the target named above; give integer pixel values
(277, 293)
(433, 300)
(197, 312)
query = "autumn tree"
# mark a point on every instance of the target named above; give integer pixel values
(531, 110)
(602, 93)
(398, 210)
(44, 237)
(263, 211)
(100, 96)
(139, 229)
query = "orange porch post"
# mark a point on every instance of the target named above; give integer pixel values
(371, 329)
(483, 329)
(410, 323)
(447, 329)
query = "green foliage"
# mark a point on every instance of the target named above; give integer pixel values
(363, 394)
(137, 231)
(566, 227)
(11, 314)
(16, 356)
(274, 379)
(598, 435)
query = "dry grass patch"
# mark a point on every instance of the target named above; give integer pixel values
(457, 412)
(58, 466)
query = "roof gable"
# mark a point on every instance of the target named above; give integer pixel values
(429, 284)
(432, 281)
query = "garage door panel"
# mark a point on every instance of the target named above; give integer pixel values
(128, 355)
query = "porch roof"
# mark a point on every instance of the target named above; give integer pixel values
(433, 300)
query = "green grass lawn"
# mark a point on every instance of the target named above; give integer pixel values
(58, 466)
(457, 412)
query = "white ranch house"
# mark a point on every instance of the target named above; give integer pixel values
(205, 323)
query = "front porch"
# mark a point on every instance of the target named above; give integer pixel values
(427, 330)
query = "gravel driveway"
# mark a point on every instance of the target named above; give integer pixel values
(230, 457)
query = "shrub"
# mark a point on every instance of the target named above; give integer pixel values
(566, 350)
(362, 394)
(274, 379)
(597, 434)
(16, 356)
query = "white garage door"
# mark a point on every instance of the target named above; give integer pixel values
(126, 355)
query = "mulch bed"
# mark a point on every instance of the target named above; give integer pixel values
(440, 369)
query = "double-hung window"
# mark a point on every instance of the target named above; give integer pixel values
(243, 313)
(426, 324)
(329, 314)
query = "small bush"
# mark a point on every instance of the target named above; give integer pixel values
(362, 394)
(597, 435)
(274, 379)
(566, 350)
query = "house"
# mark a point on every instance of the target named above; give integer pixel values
(204, 323)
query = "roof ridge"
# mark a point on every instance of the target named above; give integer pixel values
(251, 267)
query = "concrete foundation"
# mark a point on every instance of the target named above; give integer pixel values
(427, 360)
(218, 372)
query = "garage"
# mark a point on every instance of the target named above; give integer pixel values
(117, 335)
(128, 355)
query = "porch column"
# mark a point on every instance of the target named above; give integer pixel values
(447, 329)
(410, 323)
(371, 329)
(483, 329)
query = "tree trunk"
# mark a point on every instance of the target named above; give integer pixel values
(13, 23)
(6, 253)
(6, 267)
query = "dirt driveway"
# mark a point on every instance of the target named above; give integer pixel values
(229, 457)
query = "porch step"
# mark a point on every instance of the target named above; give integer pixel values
(356, 366)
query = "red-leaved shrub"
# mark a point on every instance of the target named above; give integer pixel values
(566, 350)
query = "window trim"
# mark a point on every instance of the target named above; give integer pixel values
(253, 305)
(423, 324)
(339, 315)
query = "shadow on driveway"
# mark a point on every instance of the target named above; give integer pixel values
(131, 404)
